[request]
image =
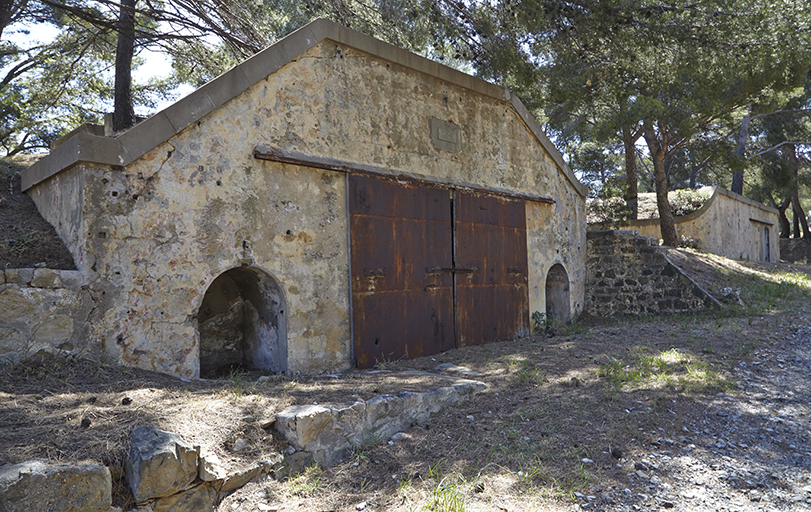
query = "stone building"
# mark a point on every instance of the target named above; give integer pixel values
(331, 201)
(728, 224)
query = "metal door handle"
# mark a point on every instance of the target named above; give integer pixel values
(433, 270)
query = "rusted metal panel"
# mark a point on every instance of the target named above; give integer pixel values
(492, 303)
(400, 235)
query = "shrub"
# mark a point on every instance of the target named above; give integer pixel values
(686, 201)
(607, 212)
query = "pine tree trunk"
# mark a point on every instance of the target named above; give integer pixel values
(123, 109)
(800, 222)
(785, 226)
(737, 178)
(658, 151)
(631, 190)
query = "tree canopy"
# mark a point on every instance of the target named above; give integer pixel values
(694, 89)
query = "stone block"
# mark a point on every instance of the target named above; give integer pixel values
(301, 425)
(19, 275)
(242, 477)
(16, 304)
(55, 328)
(209, 467)
(202, 498)
(46, 278)
(71, 279)
(669, 271)
(10, 339)
(39, 486)
(160, 464)
(665, 304)
(328, 432)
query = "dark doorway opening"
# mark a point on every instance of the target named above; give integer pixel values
(242, 324)
(557, 294)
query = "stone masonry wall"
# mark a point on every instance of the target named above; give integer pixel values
(628, 275)
(153, 235)
(42, 309)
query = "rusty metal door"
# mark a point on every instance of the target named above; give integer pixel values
(401, 238)
(492, 300)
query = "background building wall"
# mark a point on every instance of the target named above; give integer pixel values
(725, 226)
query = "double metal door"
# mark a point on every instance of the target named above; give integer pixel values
(433, 268)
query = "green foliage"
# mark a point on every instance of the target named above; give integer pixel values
(447, 496)
(780, 290)
(530, 374)
(685, 201)
(605, 70)
(608, 212)
(50, 87)
(53, 86)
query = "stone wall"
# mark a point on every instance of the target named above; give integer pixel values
(152, 233)
(42, 309)
(329, 432)
(629, 275)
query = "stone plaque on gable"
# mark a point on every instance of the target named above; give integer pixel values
(446, 135)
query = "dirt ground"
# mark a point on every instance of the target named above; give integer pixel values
(26, 239)
(561, 409)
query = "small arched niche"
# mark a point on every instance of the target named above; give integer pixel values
(242, 324)
(557, 294)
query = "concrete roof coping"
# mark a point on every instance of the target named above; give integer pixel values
(746, 200)
(128, 146)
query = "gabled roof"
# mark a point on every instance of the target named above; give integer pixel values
(128, 146)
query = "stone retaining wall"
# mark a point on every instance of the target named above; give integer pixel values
(629, 275)
(329, 432)
(42, 308)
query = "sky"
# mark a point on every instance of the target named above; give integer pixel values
(155, 64)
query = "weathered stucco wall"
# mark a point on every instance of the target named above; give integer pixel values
(497, 148)
(60, 200)
(728, 225)
(200, 217)
(161, 229)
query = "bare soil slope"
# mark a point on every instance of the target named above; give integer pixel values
(26, 239)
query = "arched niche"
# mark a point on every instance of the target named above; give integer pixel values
(557, 294)
(241, 322)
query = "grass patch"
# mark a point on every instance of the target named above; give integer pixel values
(672, 368)
(305, 484)
(530, 374)
(447, 496)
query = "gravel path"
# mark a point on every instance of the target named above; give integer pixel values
(749, 451)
